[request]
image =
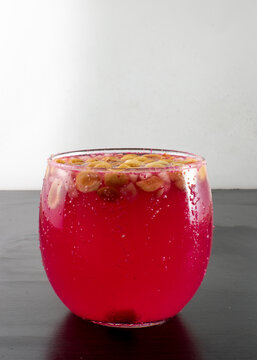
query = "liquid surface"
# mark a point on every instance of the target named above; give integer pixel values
(127, 161)
(125, 244)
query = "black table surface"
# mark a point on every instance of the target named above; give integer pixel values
(220, 322)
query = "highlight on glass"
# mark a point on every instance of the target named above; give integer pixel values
(125, 234)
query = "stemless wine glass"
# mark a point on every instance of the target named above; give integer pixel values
(127, 245)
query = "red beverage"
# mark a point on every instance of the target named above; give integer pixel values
(125, 237)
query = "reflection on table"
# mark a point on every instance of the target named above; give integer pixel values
(77, 339)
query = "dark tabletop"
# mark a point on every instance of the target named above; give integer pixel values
(219, 323)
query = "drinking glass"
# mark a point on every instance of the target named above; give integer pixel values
(125, 247)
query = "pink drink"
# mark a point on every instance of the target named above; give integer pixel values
(130, 252)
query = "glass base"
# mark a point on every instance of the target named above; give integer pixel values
(128, 326)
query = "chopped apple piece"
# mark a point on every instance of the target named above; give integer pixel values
(178, 179)
(115, 179)
(108, 193)
(132, 163)
(150, 184)
(87, 181)
(155, 164)
(55, 192)
(76, 161)
(202, 173)
(129, 156)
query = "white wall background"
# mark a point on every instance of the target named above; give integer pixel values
(98, 73)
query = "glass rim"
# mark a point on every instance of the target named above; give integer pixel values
(200, 160)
